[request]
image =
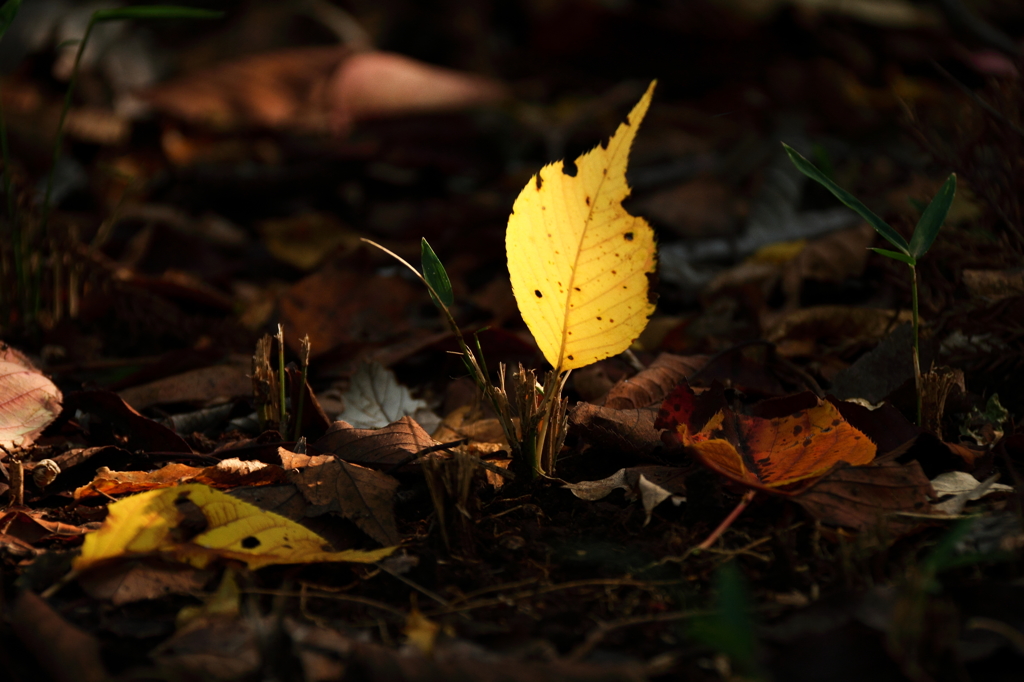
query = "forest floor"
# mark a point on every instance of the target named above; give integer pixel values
(214, 185)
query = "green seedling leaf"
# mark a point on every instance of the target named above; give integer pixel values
(7, 13)
(896, 255)
(847, 199)
(434, 273)
(155, 12)
(932, 218)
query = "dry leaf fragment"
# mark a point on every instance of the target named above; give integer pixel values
(382, 84)
(198, 386)
(375, 399)
(29, 401)
(650, 386)
(865, 497)
(142, 433)
(384, 447)
(364, 496)
(196, 524)
(628, 431)
(962, 488)
(228, 473)
(652, 484)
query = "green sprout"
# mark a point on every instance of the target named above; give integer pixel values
(921, 240)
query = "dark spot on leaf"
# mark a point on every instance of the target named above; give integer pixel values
(797, 429)
(193, 520)
(599, 317)
(628, 236)
(604, 171)
(576, 288)
(250, 542)
(807, 441)
(614, 272)
(540, 181)
(570, 357)
(536, 292)
(835, 422)
(610, 320)
(588, 201)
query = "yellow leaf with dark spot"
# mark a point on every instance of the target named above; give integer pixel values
(196, 524)
(577, 260)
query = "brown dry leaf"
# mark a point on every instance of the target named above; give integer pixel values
(196, 386)
(30, 526)
(342, 306)
(382, 84)
(134, 581)
(317, 89)
(629, 431)
(283, 90)
(384, 447)
(652, 484)
(141, 432)
(364, 496)
(29, 401)
(650, 386)
(864, 497)
(228, 473)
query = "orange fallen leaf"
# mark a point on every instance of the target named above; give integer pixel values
(767, 454)
(228, 473)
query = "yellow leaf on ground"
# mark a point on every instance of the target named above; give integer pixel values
(197, 525)
(577, 260)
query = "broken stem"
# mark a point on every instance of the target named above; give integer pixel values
(282, 409)
(728, 521)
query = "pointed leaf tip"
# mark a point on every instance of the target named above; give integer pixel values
(435, 274)
(931, 220)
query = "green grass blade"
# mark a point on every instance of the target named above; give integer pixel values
(932, 218)
(7, 13)
(896, 255)
(434, 273)
(156, 12)
(847, 199)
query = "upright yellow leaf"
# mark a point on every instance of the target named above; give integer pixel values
(578, 261)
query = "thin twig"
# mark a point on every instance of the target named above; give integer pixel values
(728, 521)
